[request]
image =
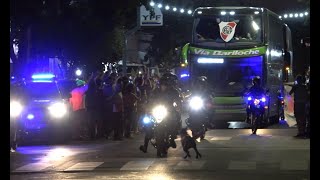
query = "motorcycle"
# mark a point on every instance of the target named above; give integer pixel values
(199, 120)
(159, 124)
(257, 106)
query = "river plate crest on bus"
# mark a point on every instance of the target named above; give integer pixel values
(227, 30)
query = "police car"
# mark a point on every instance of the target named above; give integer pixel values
(46, 111)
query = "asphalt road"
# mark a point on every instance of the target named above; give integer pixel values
(226, 154)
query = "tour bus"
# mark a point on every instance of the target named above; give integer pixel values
(231, 45)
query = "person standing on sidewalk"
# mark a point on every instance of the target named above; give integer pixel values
(78, 107)
(130, 109)
(300, 92)
(117, 106)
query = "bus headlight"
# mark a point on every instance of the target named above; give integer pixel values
(159, 113)
(15, 109)
(58, 110)
(196, 103)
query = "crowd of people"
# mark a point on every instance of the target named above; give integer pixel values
(109, 105)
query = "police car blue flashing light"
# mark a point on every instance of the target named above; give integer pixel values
(43, 76)
(249, 98)
(184, 75)
(263, 99)
(42, 81)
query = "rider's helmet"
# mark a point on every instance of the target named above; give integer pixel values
(256, 81)
(300, 79)
(201, 82)
(165, 81)
(170, 79)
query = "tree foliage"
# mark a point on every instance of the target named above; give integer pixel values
(86, 30)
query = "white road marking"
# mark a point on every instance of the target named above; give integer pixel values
(294, 165)
(220, 138)
(242, 165)
(189, 165)
(33, 167)
(84, 166)
(137, 165)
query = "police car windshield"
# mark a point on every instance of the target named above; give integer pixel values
(42, 90)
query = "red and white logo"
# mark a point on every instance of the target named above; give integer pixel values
(227, 30)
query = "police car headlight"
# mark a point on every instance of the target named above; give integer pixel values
(159, 113)
(15, 109)
(58, 110)
(196, 103)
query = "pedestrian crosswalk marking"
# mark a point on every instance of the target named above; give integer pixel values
(84, 166)
(294, 165)
(189, 165)
(242, 165)
(35, 167)
(220, 138)
(156, 164)
(137, 165)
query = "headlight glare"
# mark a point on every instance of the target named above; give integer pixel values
(15, 108)
(58, 110)
(159, 113)
(196, 103)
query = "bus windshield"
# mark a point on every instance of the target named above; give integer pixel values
(232, 77)
(247, 31)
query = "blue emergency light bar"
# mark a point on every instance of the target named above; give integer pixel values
(184, 75)
(43, 76)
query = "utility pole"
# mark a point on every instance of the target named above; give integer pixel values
(126, 36)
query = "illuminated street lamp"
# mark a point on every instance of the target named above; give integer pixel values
(78, 72)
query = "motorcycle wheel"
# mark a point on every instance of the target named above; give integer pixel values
(254, 120)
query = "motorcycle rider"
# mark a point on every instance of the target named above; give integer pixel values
(168, 95)
(201, 87)
(254, 90)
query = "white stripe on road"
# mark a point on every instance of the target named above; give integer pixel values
(189, 165)
(220, 138)
(84, 166)
(33, 167)
(137, 165)
(294, 165)
(242, 165)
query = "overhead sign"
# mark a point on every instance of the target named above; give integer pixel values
(146, 19)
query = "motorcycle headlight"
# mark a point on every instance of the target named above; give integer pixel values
(58, 110)
(146, 120)
(159, 113)
(15, 108)
(196, 103)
